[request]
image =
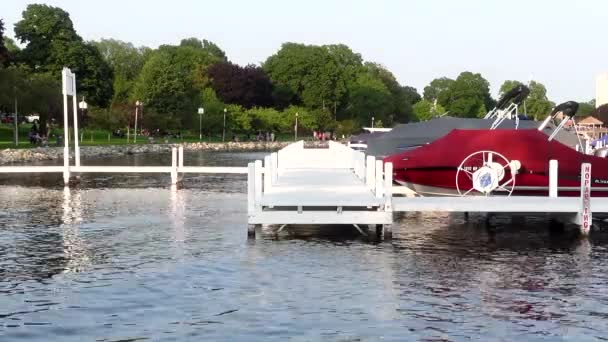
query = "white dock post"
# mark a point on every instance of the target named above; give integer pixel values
(180, 162)
(388, 198)
(250, 197)
(379, 178)
(275, 167)
(173, 166)
(181, 156)
(75, 110)
(370, 174)
(267, 173)
(258, 185)
(553, 178)
(66, 87)
(388, 186)
(585, 213)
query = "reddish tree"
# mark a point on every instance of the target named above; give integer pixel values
(601, 113)
(246, 86)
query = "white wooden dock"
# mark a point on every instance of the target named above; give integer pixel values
(334, 185)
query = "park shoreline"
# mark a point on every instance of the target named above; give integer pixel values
(11, 156)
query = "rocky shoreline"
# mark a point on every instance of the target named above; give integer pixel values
(10, 156)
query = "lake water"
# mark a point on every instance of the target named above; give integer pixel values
(123, 258)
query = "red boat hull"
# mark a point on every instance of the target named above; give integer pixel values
(433, 168)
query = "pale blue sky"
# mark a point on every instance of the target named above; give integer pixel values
(559, 43)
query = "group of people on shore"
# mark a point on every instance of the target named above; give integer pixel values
(38, 136)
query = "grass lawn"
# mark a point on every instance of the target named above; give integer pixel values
(102, 137)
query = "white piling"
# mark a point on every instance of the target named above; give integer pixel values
(66, 137)
(75, 112)
(585, 213)
(388, 186)
(181, 156)
(553, 178)
(370, 172)
(275, 167)
(250, 188)
(267, 173)
(258, 185)
(379, 178)
(173, 166)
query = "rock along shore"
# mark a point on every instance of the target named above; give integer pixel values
(9, 156)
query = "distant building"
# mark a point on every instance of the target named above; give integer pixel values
(601, 89)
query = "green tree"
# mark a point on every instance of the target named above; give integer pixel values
(126, 62)
(537, 103)
(208, 47)
(426, 110)
(4, 53)
(318, 75)
(468, 96)
(369, 97)
(34, 92)
(52, 43)
(168, 81)
(506, 86)
(402, 97)
(586, 108)
(437, 89)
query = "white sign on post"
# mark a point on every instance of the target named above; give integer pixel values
(585, 198)
(67, 82)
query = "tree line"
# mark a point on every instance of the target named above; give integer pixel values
(330, 87)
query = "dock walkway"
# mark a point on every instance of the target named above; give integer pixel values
(334, 185)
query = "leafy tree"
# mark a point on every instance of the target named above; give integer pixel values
(402, 97)
(426, 110)
(411, 94)
(210, 48)
(601, 113)
(586, 108)
(11, 46)
(4, 53)
(467, 96)
(508, 85)
(35, 93)
(318, 75)
(246, 86)
(167, 82)
(437, 89)
(537, 103)
(52, 43)
(126, 62)
(369, 97)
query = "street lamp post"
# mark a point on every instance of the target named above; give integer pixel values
(137, 105)
(296, 128)
(224, 130)
(201, 111)
(83, 106)
(372, 122)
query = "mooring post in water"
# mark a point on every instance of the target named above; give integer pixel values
(173, 166)
(258, 185)
(251, 197)
(267, 173)
(370, 172)
(275, 167)
(66, 90)
(553, 178)
(387, 229)
(585, 213)
(379, 178)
